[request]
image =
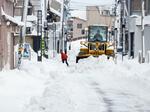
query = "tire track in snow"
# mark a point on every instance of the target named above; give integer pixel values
(108, 102)
(118, 101)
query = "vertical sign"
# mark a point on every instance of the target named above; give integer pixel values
(39, 33)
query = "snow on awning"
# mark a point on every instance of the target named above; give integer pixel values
(28, 24)
(10, 18)
(30, 18)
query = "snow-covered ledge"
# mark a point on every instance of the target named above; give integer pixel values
(10, 18)
(55, 11)
(146, 19)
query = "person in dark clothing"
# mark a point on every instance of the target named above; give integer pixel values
(98, 36)
(64, 57)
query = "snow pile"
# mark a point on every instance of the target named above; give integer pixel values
(92, 85)
(54, 100)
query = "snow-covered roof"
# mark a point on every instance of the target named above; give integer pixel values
(55, 12)
(12, 19)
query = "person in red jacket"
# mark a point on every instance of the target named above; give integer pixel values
(64, 57)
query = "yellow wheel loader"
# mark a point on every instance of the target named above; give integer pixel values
(97, 43)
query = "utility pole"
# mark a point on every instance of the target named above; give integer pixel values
(24, 19)
(129, 37)
(115, 31)
(123, 3)
(39, 34)
(124, 27)
(62, 26)
(142, 33)
(54, 38)
(22, 30)
(46, 39)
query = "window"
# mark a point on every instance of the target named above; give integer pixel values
(105, 12)
(79, 26)
(28, 30)
(82, 32)
(29, 12)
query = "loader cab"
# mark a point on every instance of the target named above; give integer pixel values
(97, 37)
(97, 33)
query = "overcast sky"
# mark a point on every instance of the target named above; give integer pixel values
(78, 6)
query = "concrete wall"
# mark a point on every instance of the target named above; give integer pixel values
(147, 38)
(138, 39)
(7, 46)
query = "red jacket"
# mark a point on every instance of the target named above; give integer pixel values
(64, 56)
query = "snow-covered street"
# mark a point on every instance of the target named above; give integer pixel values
(92, 85)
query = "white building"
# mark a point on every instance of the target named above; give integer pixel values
(135, 13)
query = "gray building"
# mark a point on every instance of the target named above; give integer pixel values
(135, 45)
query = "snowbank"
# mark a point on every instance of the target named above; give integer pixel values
(92, 85)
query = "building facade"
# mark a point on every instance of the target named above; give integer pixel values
(135, 7)
(57, 22)
(99, 15)
(135, 41)
(76, 28)
(8, 27)
(31, 23)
